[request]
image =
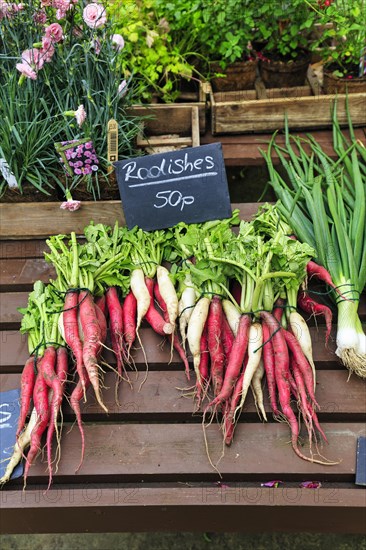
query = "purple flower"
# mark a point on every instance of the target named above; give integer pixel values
(77, 171)
(88, 145)
(70, 205)
(310, 484)
(274, 483)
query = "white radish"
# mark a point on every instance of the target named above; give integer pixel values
(232, 315)
(254, 358)
(21, 444)
(185, 307)
(195, 329)
(302, 334)
(256, 387)
(141, 293)
(168, 293)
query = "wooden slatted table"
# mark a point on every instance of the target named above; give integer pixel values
(146, 466)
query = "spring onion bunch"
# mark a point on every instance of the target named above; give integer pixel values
(325, 204)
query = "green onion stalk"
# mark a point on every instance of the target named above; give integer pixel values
(325, 204)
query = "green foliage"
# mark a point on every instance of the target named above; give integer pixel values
(153, 54)
(218, 31)
(343, 39)
(284, 26)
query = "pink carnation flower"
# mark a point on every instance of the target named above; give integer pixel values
(122, 88)
(47, 49)
(94, 15)
(54, 32)
(32, 61)
(40, 17)
(118, 41)
(80, 115)
(70, 205)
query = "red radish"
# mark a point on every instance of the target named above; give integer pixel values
(309, 305)
(235, 362)
(318, 271)
(129, 312)
(302, 363)
(141, 294)
(215, 347)
(173, 337)
(203, 382)
(168, 293)
(282, 371)
(71, 331)
(301, 332)
(153, 317)
(307, 409)
(26, 390)
(228, 338)
(55, 405)
(41, 404)
(269, 367)
(278, 309)
(101, 302)
(75, 399)
(229, 412)
(92, 342)
(195, 328)
(115, 325)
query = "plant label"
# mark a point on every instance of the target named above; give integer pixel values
(161, 190)
(9, 415)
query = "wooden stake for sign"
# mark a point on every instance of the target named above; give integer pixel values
(112, 142)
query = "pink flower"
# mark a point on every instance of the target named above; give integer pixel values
(32, 61)
(40, 17)
(96, 45)
(310, 484)
(46, 3)
(71, 205)
(94, 15)
(47, 49)
(26, 70)
(118, 42)
(80, 115)
(122, 88)
(54, 32)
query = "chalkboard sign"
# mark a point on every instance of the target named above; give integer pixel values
(9, 414)
(161, 190)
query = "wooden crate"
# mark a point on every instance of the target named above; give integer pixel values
(146, 467)
(263, 110)
(172, 118)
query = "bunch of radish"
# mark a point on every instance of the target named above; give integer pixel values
(228, 302)
(237, 333)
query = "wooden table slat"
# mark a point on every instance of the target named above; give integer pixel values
(163, 397)
(14, 350)
(101, 508)
(176, 452)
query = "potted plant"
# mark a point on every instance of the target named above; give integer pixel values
(154, 55)
(61, 67)
(282, 36)
(342, 45)
(218, 34)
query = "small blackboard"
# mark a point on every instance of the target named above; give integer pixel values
(160, 190)
(9, 414)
